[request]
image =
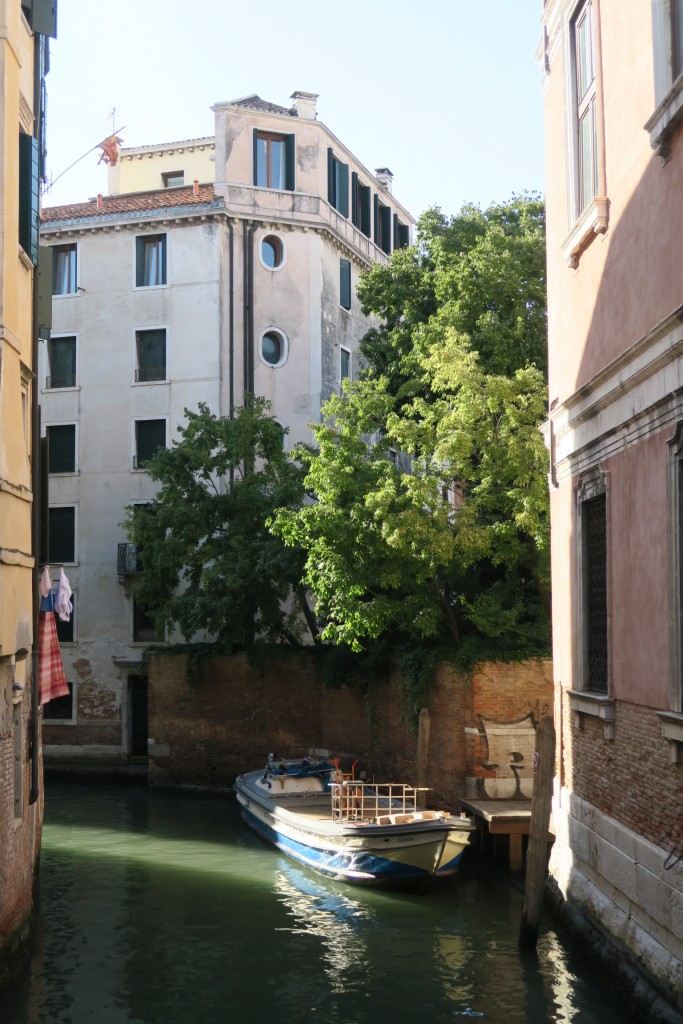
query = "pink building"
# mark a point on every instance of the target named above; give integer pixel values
(613, 88)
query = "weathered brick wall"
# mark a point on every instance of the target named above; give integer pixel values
(19, 840)
(206, 732)
(629, 778)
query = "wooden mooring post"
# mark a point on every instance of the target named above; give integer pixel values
(537, 850)
(422, 754)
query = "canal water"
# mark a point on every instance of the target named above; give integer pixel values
(164, 909)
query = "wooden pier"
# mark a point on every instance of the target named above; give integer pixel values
(509, 818)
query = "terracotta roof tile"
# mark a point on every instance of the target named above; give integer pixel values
(133, 202)
(256, 103)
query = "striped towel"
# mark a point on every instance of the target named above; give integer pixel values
(51, 678)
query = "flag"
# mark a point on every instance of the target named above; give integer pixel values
(110, 152)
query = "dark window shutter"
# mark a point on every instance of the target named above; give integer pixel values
(44, 17)
(62, 448)
(290, 162)
(355, 212)
(345, 283)
(375, 210)
(365, 210)
(385, 229)
(62, 534)
(403, 236)
(255, 147)
(343, 198)
(140, 261)
(330, 176)
(28, 195)
(151, 435)
(396, 243)
(164, 278)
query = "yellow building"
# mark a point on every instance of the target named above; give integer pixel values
(24, 28)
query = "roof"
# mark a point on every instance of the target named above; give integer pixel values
(133, 202)
(255, 102)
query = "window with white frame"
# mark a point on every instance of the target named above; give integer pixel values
(344, 363)
(150, 436)
(585, 100)
(150, 261)
(61, 448)
(273, 348)
(61, 358)
(61, 710)
(64, 269)
(150, 355)
(61, 520)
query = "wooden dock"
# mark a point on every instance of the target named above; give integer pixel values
(509, 818)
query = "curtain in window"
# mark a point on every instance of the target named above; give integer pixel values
(151, 355)
(64, 272)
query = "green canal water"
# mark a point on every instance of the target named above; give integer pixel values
(163, 909)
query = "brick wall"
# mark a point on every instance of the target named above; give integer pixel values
(204, 733)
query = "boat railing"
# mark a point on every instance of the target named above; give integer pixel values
(381, 803)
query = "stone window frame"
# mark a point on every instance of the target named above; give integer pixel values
(672, 720)
(668, 114)
(583, 701)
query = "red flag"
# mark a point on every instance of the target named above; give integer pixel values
(110, 152)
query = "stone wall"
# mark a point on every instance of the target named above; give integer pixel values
(205, 732)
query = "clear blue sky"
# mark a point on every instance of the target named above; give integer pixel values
(446, 93)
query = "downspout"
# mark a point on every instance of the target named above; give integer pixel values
(231, 321)
(35, 464)
(248, 253)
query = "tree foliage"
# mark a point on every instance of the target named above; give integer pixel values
(210, 566)
(431, 515)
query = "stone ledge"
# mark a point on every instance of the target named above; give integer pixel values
(598, 705)
(672, 730)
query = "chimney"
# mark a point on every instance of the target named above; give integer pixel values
(304, 104)
(99, 200)
(195, 187)
(385, 177)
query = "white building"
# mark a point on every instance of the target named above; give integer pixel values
(215, 267)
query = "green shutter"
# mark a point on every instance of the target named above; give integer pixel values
(385, 229)
(62, 448)
(355, 212)
(345, 283)
(290, 162)
(375, 210)
(396, 245)
(330, 176)
(365, 210)
(28, 195)
(44, 17)
(255, 147)
(45, 270)
(140, 261)
(343, 198)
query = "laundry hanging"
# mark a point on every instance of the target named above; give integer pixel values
(51, 677)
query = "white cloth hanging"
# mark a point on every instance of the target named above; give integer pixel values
(63, 603)
(45, 582)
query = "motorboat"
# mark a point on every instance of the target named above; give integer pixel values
(351, 829)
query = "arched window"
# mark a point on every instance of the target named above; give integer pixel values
(272, 252)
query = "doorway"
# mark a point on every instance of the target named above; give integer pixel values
(137, 704)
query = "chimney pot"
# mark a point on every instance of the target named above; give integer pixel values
(195, 187)
(304, 103)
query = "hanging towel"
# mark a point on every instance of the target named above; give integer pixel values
(63, 603)
(45, 582)
(51, 678)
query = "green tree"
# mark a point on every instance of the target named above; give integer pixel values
(210, 565)
(430, 522)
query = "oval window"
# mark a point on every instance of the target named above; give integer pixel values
(272, 348)
(271, 251)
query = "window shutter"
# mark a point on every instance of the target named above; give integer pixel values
(396, 243)
(385, 229)
(343, 199)
(255, 148)
(345, 283)
(290, 162)
(164, 278)
(28, 195)
(375, 205)
(44, 17)
(355, 212)
(330, 176)
(365, 210)
(140, 261)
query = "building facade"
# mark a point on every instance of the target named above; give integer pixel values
(614, 170)
(24, 28)
(217, 267)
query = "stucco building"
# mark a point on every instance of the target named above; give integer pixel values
(24, 29)
(215, 267)
(614, 169)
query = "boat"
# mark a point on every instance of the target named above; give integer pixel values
(350, 829)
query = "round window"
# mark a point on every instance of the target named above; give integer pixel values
(271, 251)
(272, 347)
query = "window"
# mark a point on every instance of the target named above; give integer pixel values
(345, 283)
(144, 630)
(667, 33)
(150, 354)
(171, 179)
(28, 195)
(344, 363)
(401, 234)
(150, 436)
(675, 493)
(382, 226)
(337, 184)
(274, 160)
(62, 448)
(18, 744)
(361, 203)
(66, 631)
(150, 261)
(62, 534)
(586, 119)
(274, 348)
(272, 252)
(594, 592)
(61, 354)
(64, 270)
(61, 709)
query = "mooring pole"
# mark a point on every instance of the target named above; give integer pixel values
(422, 754)
(537, 851)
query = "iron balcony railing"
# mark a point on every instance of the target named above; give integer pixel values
(128, 562)
(61, 380)
(150, 373)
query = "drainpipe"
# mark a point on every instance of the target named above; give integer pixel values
(35, 466)
(248, 248)
(231, 350)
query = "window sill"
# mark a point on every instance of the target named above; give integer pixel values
(59, 721)
(598, 705)
(665, 120)
(51, 391)
(672, 731)
(593, 221)
(146, 383)
(64, 473)
(25, 260)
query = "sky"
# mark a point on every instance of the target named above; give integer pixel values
(446, 93)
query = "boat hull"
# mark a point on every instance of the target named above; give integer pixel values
(390, 856)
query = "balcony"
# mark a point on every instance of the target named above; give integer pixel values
(147, 374)
(128, 562)
(60, 380)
